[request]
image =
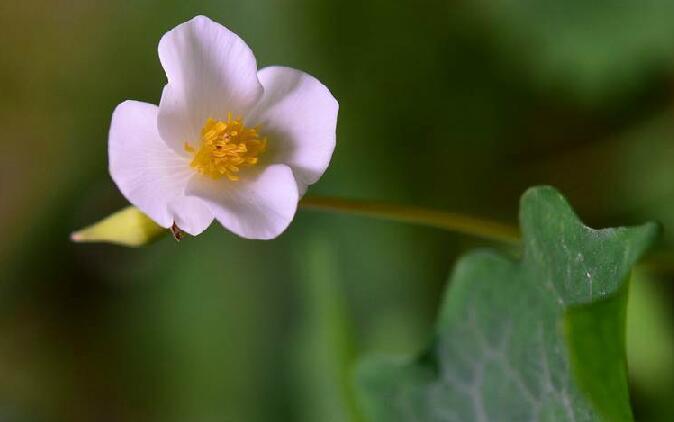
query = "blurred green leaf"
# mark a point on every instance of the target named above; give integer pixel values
(593, 50)
(325, 349)
(650, 348)
(541, 338)
(649, 333)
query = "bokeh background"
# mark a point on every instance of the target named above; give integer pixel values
(455, 105)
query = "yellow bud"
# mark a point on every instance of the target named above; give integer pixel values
(128, 227)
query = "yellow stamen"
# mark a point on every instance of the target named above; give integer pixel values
(226, 148)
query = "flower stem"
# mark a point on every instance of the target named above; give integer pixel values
(450, 221)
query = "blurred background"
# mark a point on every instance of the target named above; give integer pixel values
(455, 105)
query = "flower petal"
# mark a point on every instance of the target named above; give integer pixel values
(191, 214)
(211, 72)
(148, 173)
(298, 114)
(259, 206)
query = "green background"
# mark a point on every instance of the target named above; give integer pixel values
(454, 105)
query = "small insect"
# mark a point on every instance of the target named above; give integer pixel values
(177, 232)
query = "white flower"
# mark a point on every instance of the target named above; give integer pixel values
(227, 141)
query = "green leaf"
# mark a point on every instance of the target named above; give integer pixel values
(538, 338)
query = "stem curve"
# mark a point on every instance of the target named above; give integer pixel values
(455, 222)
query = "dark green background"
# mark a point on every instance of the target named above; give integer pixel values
(455, 105)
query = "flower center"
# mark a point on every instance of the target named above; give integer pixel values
(226, 148)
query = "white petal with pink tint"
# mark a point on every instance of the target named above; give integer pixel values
(148, 173)
(299, 116)
(260, 208)
(211, 72)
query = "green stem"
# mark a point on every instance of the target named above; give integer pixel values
(455, 222)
